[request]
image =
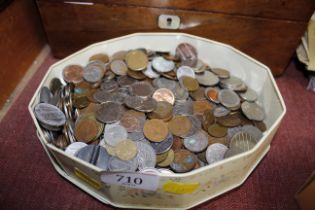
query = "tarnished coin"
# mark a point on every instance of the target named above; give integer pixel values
(184, 161)
(125, 81)
(177, 143)
(142, 89)
(161, 157)
(254, 131)
(207, 78)
(99, 57)
(160, 64)
(188, 54)
(117, 165)
(119, 67)
(220, 111)
(74, 147)
(198, 94)
(212, 94)
(164, 94)
(249, 95)
(149, 72)
(215, 152)
(114, 134)
(136, 60)
(49, 115)
(146, 155)
(253, 111)
(185, 71)
(229, 98)
(233, 83)
(109, 112)
(136, 75)
(189, 83)
(221, 73)
(207, 119)
(109, 85)
(243, 141)
(162, 111)
(130, 122)
(87, 128)
(95, 155)
(197, 142)
(140, 104)
(217, 130)
(201, 106)
(222, 140)
(155, 130)
(103, 96)
(168, 160)
(163, 146)
(231, 120)
(126, 150)
(180, 126)
(93, 73)
(73, 73)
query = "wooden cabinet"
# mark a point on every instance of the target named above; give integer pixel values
(267, 30)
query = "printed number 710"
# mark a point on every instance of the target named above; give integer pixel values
(128, 179)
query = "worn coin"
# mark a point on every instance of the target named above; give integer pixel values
(160, 64)
(117, 165)
(229, 98)
(125, 81)
(184, 161)
(215, 152)
(163, 146)
(207, 78)
(164, 83)
(180, 125)
(130, 122)
(221, 73)
(146, 155)
(95, 155)
(119, 67)
(201, 106)
(136, 75)
(220, 111)
(217, 130)
(187, 54)
(73, 73)
(253, 111)
(93, 73)
(168, 160)
(198, 94)
(142, 89)
(155, 130)
(74, 147)
(196, 142)
(231, 120)
(114, 134)
(243, 141)
(126, 150)
(189, 83)
(136, 60)
(109, 112)
(249, 95)
(49, 115)
(164, 94)
(162, 111)
(185, 71)
(233, 83)
(87, 128)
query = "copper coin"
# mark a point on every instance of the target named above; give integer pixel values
(198, 94)
(109, 112)
(222, 140)
(217, 130)
(136, 75)
(87, 128)
(207, 119)
(142, 89)
(180, 126)
(184, 161)
(189, 83)
(164, 94)
(73, 73)
(130, 122)
(178, 143)
(188, 54)
(231, 120)
(155, 130)
(201, 106)
(126, 150)
(212, 94)
(136, 60)
(100, 57)
(119, 67)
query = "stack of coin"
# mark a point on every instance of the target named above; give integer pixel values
(181, 116)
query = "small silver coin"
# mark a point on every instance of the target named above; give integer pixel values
(253, 111)
(95, 155)
(243, 141)
(197, 142)
(74, 147)
(146, 155)
(162, 65)
(163, 146)
(185, 71)
(109, 112)
(150, 170)
(220, 111)
(233, 83)
(229, 98)
(45, 95)
(114, 134)
(207, 78)
(215, 152)
(49, 115)
(142, 89)
(93, 73)
(149, 72)
(117, 165)
(249, 95)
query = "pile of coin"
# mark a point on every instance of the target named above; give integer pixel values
(150, 111)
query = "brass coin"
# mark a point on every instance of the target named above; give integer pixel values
(120, 55)
(100, 57)
(189, 83)
(201, 106)
(207, 119)
(221, 73)
(161, 157)
(163, 110)
(126, 150)
(168, 160)
(155, 130)
(231, 120)
(136, 60)
(87, 128)
(222, 140)
(136, 75)
(180, 125)
(217, 130)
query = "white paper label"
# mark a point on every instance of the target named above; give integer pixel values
(133, 180)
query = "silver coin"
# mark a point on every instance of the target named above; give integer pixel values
(125, 81)
(165, 171)
(233, 83)
(119, 67)
(49, 115)
(253, 111)
(185, 71)
(109, 85)
(220, 111)
(74, 147)
(243, 141)
(181, 94)
(232, 131)
(149, 72)
(149, 170)
(95, 155)
(114, 134)
(109, 112)
(200, 66)
(164, 83)
(222, 73)
(215, 152)
(183, 108)
(140, 104)
(249, 95)
(197, 142)
(45, 95)
(93, 73)
(254, 131)
(160, 64)
(195, 125)
(146, 155)
(229, 98)
(163, 146)
(117, 165)
(207, 78)
(102, 96)
(142, 89)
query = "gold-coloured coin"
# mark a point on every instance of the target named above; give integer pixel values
(126, 150)
(222, 140)
(161, 157)
(155, 130)
(180, 125)
(199, 107)
(163, 110)
(136, 60)
(100, 57)
(87, 128)
(168, 160)
(190, 83)
(207, 119)
(136, 75)
(217, 130)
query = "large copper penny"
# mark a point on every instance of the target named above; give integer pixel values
(155, 130)
(201, 106)
(73, 73)
(180, 125)
(130, 122)
(164, 94)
